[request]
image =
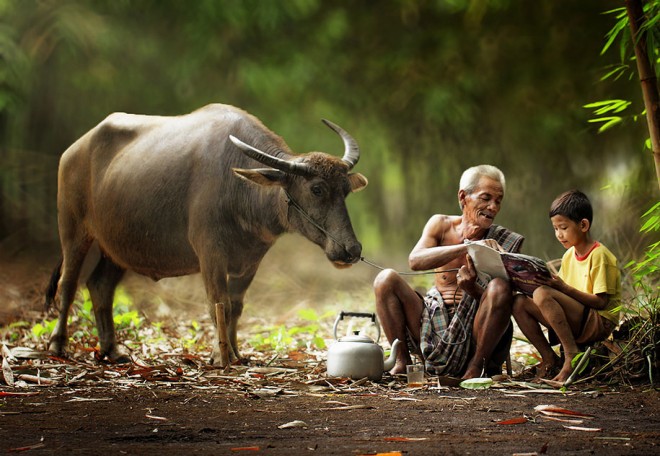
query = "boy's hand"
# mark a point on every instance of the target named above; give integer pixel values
(554, 281)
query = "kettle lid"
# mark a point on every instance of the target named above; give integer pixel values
(356, 338)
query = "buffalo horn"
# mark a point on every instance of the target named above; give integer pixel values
(351, 149)
(274, 162)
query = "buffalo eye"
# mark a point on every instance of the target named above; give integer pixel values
(317, 190)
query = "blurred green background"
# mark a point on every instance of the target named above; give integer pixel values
(427, 88)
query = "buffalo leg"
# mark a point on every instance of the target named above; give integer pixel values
(101, 285)
(215, 281)
(216, 356)
(74, 249)
(238, 285)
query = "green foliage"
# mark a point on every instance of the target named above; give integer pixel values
(193, 336)
(608, 106)
(645, 271)
(643, 313)
(306, 333)
(620, 32)
(427, 88)
(126, 319)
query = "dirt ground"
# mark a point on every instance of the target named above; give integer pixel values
(166, 419)
(188, 408)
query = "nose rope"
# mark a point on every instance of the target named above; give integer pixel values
(293, 203)
(364, 260)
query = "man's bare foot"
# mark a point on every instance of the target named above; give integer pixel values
(472, 373)
(400, 367)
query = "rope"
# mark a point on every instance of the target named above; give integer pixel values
(296, 206)
(364, 260)
(292, 203)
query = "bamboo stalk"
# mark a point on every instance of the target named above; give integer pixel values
(221, 333)
(648, 79)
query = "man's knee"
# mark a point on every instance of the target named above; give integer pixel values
(499, 294)
(498, 286)
(520, 303)
(385, 281)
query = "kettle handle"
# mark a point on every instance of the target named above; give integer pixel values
(343, 314)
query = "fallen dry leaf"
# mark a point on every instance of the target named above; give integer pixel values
(37, 379)
(7, 354)
(586, 429)
(7, 372)
(89, 399)
(518, 420)
(28, 447)
(251, 448)
(563, 420)
(553, 383)
(292, 424)
(553, 410)
(405, 439)
(348, 407)
(389, 453)
(16, 394)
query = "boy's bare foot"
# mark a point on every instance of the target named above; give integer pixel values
(547, 368)
(566, 370)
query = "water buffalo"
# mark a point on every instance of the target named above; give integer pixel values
(171, 196)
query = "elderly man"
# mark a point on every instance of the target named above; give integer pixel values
(463, 321)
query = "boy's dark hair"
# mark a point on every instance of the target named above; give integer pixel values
(572, 204)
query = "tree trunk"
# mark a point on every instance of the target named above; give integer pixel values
(647, 78)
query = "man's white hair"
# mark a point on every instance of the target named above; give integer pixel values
(471, 176)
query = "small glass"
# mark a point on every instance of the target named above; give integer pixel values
(415, 374)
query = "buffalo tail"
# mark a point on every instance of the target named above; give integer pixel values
(51, 290)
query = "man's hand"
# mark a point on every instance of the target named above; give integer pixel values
(492, 243)
(466, 279)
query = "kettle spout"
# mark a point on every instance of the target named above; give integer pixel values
(389, 363)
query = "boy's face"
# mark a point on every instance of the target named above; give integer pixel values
(569, 232)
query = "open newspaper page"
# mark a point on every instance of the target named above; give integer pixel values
(523, 271)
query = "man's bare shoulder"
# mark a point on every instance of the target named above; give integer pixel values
(443, 222)
(442, 228)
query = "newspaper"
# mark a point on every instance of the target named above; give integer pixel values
(523, 271)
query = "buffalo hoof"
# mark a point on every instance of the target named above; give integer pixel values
(116, 357)
(120, 359)
(216, 359)
(56, 348)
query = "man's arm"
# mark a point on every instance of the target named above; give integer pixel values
(429, 253)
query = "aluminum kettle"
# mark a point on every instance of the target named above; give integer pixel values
(358, 356)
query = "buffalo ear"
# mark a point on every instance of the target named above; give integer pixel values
(262, 176)
(357, 181)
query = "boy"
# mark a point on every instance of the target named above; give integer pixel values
(581, 303)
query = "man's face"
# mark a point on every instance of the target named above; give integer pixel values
(482, 205)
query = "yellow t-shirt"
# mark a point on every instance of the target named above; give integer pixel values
(595, 274)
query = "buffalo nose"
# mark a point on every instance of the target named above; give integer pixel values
(354, 253)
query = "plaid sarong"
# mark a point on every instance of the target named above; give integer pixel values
(446, 331)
